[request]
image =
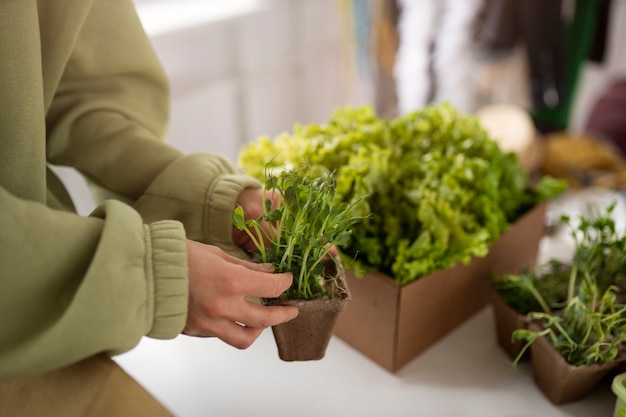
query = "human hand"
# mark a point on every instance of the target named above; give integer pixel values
(219, 285)
(252, 201)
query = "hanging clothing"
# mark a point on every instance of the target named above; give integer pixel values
(435, 59)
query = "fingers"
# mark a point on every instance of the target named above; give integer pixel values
(255, 266)
(255, 279)
(220, 286)
(239, 336)
(241, 333)
(255, 315)
(234, 334)
(258, 284)
(253, 202)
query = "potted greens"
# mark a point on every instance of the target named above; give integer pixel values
(576, 324)
(599, 252)
(302, 231)
(571, 350)
(438, 192)
(514, 296)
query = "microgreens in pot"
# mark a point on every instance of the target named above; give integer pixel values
(589, 330)
(589, 325)
(298, 235)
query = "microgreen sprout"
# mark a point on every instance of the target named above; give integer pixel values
(589, 325)
(301, 231)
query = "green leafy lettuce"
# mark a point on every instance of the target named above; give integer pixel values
(432, 186)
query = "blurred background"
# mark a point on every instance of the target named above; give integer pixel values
(244, 68)
(240, 69)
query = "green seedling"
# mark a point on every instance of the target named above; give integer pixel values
(298, 235)
(589, 326)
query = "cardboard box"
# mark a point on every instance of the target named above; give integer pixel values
(392, 324)
(506, 321)
(519, 246)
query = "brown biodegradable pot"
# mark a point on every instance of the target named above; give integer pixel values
(507, 320)
(558, 380)
(306, 337)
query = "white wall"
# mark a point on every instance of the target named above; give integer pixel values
(254, 70)
(244, 68)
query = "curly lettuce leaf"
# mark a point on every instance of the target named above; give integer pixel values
(434, 187)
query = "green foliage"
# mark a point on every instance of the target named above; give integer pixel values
(578, 308)
(303, 230)
(535, 289)
(438, 188)
(600, 249)
(589, 330)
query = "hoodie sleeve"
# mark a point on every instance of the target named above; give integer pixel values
(108, 119)
(108, 112)
(76, 286)
(199, 190)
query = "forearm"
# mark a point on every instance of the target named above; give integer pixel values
(201, 191)
(73, 286)
(109, 112)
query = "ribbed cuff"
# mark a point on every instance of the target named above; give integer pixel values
(221, 200)
(166, 258)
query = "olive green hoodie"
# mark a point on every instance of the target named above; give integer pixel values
(80, 86)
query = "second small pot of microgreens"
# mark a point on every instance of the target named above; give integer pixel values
(578, 311)
(297, 236)
(578, 304)
(573, 349)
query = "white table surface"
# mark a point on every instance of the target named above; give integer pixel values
(465, 374)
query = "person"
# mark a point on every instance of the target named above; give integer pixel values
(81, 86)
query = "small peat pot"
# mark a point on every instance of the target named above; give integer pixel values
(506, 321)
(306, 337)
(561, 382)
(304, 229)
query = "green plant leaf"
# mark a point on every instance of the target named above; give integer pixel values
(238, 218)
(305, 226)
(432, 184)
